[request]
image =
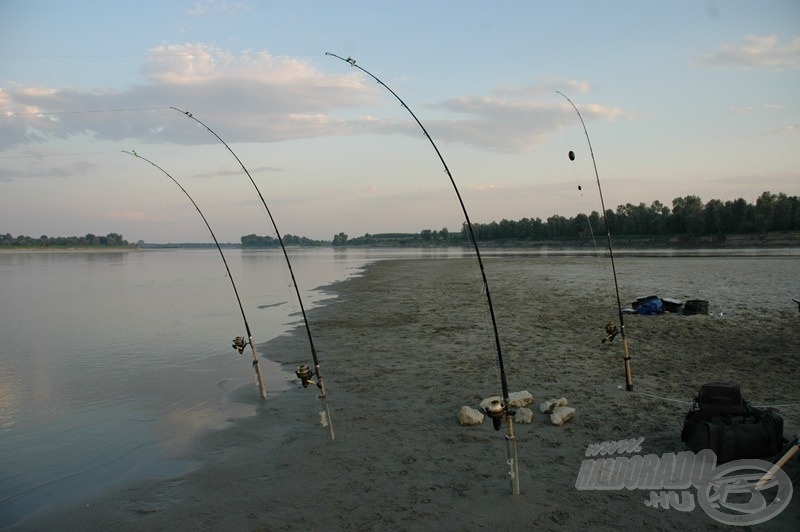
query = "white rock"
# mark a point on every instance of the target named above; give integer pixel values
(523, 415)
(548, 406)
(518, 399)
(561, 414)
(469, 416)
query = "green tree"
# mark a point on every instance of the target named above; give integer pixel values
(687, 215)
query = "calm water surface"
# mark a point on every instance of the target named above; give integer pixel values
(110, 363)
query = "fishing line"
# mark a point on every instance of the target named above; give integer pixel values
(572, 157)
(304, 373)
(571, 152)
(575, 172)
(682, 401)
(652, 396)
(499, 411)
(238, 342)
(626, 355)
(56, 155)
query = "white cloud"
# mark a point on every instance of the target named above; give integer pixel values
(511, 121)
(259, 97)
(481, 188)
(756, 52)
(255, 97)
(76, 168)
(748, 109)
(787, 129)
(207, 8)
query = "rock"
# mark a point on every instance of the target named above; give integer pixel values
(561, 414)
(469, 416)
(519, 399)
(548, 406)
(523, 415)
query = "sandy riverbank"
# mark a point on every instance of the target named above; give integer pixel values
(402, 349)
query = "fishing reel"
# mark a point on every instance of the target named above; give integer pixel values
(495, 410)
(305, 374)
(611, 332)
(239, 344)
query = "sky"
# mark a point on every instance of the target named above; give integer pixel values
(678, 98)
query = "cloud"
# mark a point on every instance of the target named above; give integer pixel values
(77, 168)
(787, 129)
(481, 188)
(237, 172)
(511, 121)
(259, 97)
(250, 97)
(207, 8)
(508, 120)
(756, 52)
(748, 109)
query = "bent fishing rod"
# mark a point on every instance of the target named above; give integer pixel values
(498, 412)
(303, 372)
(626, 355)
(238, 343)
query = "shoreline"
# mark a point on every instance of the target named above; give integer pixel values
(487, 249)
(56, 249)
(407, 343)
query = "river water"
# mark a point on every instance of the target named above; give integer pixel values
(110, 363)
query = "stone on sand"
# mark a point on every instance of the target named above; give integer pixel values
(519, 399)
(469, 416)
(548, 406)
(523, 415)
(561, 414)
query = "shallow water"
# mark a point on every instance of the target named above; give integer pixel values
(111, 363)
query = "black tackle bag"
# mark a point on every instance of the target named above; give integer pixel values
(721, 420)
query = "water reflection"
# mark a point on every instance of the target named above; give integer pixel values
(9, 397)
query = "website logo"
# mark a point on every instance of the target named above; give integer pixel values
(727, 493)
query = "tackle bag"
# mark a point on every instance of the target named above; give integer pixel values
(720, 398)
(720, 420)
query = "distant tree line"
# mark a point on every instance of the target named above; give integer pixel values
(89, 240)
(256, 241)
(426, 237)
(688, 217)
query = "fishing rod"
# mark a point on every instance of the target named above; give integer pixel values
(303, 372)
(791, 450)
(238, 343)
(610, 329)
(499, 412)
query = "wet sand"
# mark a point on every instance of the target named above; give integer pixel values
(402, 349)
